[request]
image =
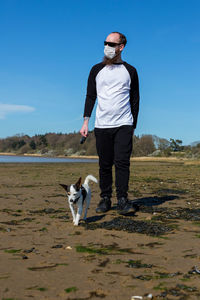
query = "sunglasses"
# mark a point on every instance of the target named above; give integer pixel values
(111, 44)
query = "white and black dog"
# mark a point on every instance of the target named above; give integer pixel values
(78, 194)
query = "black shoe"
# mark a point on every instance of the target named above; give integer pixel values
(104, 205)
(123, 206)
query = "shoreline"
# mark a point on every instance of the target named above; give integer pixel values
(47, 156)
(132, 159)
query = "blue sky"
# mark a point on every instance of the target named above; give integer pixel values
(47, 48)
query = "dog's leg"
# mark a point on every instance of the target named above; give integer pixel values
(72, 211)
(87, 200)
(79, 213)
(77, 219)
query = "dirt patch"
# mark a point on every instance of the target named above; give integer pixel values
(152, 251)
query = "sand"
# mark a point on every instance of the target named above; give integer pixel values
(43, 256)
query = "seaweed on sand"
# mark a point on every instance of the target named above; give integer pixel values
(103, 249)
(18, 222)
(129, 225)
(188, 214)
(46, 211)
(180, 290)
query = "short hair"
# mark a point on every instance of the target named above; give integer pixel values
(122, 38)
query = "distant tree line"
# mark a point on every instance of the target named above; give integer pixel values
(54, 144)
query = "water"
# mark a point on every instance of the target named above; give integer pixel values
(36, 159)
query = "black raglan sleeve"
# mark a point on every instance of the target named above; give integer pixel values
(91, 90)
(134, 93)
(135, 98)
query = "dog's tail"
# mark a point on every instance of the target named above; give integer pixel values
(90, 177)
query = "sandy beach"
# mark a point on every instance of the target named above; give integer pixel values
(152, 252)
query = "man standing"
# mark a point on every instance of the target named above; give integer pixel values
(115, 84)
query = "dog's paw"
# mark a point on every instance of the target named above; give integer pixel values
(75, 224)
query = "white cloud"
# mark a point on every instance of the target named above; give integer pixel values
(6, 109)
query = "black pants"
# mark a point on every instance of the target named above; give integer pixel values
(114, 146)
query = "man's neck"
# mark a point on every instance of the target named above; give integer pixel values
(115, 60)
(119, 60)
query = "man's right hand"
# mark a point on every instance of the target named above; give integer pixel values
(84, 128)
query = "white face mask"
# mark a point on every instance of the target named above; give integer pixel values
(109, 51)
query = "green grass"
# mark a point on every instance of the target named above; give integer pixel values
(43, 229)
(10, 299)
(42, 289)
(151, 179)
(160, 287)
(110, 249)
(137, 264)
(83, 249)
(71, 289)
(75, 233)
(118, 261)
(4, 277)
(2, 229)
(184, 279)
(196, 223)
(7, 210)
(12, 250)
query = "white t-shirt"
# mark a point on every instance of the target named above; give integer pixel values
(113, 88)
(117, 91)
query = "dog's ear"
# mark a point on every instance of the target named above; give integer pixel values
(64, 186)
(78, 184)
